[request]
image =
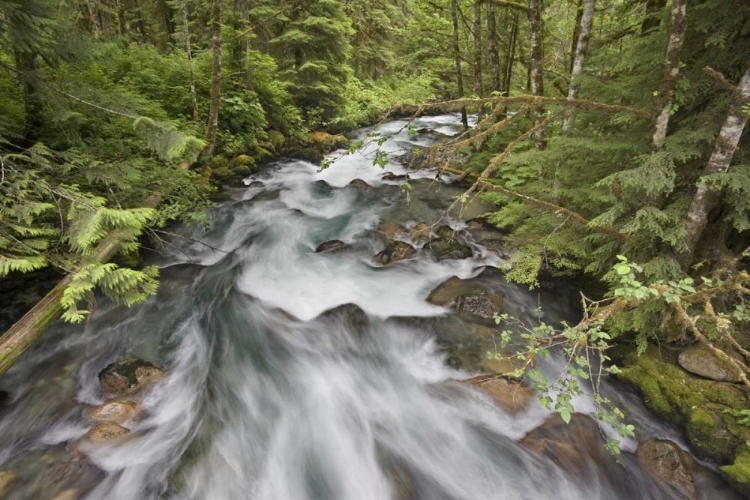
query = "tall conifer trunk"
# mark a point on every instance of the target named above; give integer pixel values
(536, 67)
(191, 70)
(576, 34)
(478, 89)
(582, 46)
(96, 25)
(212, 131)
(492, 51)
(510, 56)
(671, 71)
(457, 60)
(241, 45)
(706, 196)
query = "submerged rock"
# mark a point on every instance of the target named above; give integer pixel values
(129, 376)
(401, 483)
(467, 298)
(701, 361)
(350, 314)
(394, 252)
(69, 494)
(391, 231)
(390, 176)
(6, 477)
(669, 463)
(115, 412)
(331, 246)
(511, 395)
(447, 245)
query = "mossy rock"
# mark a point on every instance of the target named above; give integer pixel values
(206, 172)
(738, 473)
(276, 139)
(708, 434)
(242, 171)
(129, 376)
(262, 153)
(219, 163)
(243, 161)
(325, 142)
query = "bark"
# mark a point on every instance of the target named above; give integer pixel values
(478, 88)
(671, 71)
(536, 67)
(511, 56)
(582, 45)
(191, 71)
(241, 45)
(652, 20)
(457, 60)
(212, 131)
(96, 25)
(576, 34)
(494, 55)
(706, 196)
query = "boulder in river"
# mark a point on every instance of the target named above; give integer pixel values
(511, 395)
(394, 252)
(130, 376)
(401, 483)
(447, 245)
(702, 361)
(114, 412)
(69, 494)
(467, 298)
(390, 176)
(669, 463)
(359, 183)
(331, 246)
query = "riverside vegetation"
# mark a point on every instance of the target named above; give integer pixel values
(610, 139)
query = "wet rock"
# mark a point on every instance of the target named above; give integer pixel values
(4, 399)
(6, 477)
(331, 246)
(325, 142)
(701, 361)
(390, 176)
(709, 435)
(359, 183)
(69, 494)
(447, 245)
(256, 184)
(467, 298)
(350, 314)
(421, 232)
(114, 412)
(104, 433)
(401, 483)
(511, 395)
(129, 376)
(574, 447)
(669, 463)
(391, 230)
(394, 252)
(738, 473)
(67, 476)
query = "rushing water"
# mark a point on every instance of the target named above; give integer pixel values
(269, 396)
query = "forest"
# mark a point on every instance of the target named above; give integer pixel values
(608, 137)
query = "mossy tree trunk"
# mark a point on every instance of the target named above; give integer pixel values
(671, 71)
(191, 70)
(212, 131)
(492, 51)
(536, 68)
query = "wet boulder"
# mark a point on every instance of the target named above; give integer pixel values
(6, 478)
(510, 395)
(331, 246)
(4, 399)
(69, 494)
(702, 361)
(114, 412)
(448, 246)
(669, 463)
(421, 233)
(737, 473)
(359, 183)
(256, 184)
(401, 482)
(390, 176)
(130, 376)
(66, 477)
(468, 298)
(394, 252)
(391, 231)
(104, 433)
(325, 142)
(349, 314)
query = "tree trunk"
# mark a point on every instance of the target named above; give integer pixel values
(706, 197)
(96, 26)
(478, 88)
(536, 67)
(191, 71)
(492, 51)
(511, 56)
(122, 26)
(652, 20)
(140, 24)
(27, 64)
(576, 34)
(212, 131)
(241, 46)
(457, 60)
(582, 45)
(671, 71)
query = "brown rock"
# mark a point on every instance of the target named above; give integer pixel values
(104, 433)
(467, 298)
(359, 183)
(401, 482)
(6, 477)
(391, 230)
(331, 246)
(669, 463)
(421, 231)
(69, 494)
(510, 395)
(394, 252)
(390, 176)
(129, 376)
(114, 412)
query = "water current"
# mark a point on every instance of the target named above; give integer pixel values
(274, 391)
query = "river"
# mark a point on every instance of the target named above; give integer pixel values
(270, 395)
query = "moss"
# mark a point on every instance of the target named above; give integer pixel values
(221, 173)
(738, 474)
(325, 142)
(243, 161)
(219, 163)
(708, 435)
(242, 170)
(276, 139)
